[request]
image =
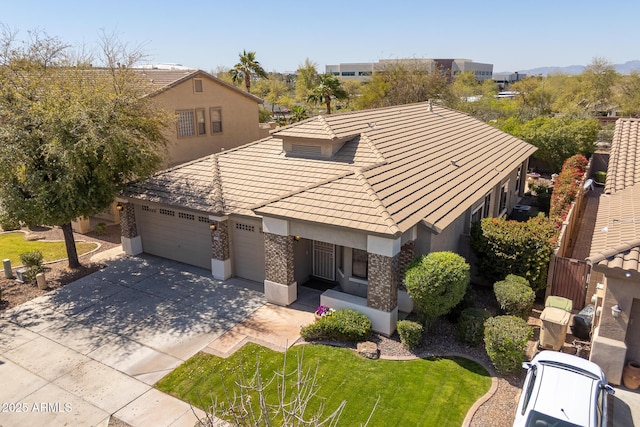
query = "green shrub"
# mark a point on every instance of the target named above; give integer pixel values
(100, 229)
(600, 177)
(410, 333)
(343, 325)
(7, 223)
(510, 247)
(471, 325)
(436, 283)
(505, 339)
(32, 261)
(566, 188)
(468, 301)
(514, 296)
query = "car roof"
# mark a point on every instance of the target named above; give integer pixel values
(565, 394)
(555, 357)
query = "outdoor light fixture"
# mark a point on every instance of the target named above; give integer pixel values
(616, 310)
(213, 227)
(627, 274)
(296, 238)
(119, 207)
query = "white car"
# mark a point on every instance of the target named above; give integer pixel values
(562, 390)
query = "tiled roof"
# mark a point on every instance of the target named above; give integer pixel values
(616, 237)
(624, 159)
(162, 80)
(401, 165)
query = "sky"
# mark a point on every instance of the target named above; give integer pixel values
(512, 35)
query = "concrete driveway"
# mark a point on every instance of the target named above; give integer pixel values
(95, 347)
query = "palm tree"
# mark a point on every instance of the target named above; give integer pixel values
(328, 88)
(298, 113)
(245, 68)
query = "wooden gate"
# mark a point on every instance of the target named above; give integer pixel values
(570, 280)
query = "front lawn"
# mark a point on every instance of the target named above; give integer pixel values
(12, 245)
(433, 392)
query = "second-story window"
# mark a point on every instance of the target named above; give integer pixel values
(216, 120)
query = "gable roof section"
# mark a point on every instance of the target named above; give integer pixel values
(616, 237)
(436, 162)
(162, 80)
(624, 160)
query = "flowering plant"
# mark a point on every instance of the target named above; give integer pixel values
(323, 310)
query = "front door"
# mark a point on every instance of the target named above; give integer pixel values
(324, 265)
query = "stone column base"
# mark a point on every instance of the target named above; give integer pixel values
(610, 356)
(280, 294)
(132, 246)
(221, 270)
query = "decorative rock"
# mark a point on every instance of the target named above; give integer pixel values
(368, 349)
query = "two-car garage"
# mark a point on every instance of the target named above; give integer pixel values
(185, 236)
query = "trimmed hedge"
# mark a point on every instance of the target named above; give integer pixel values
(410, 333)
(468, 301)
(471, 325)
(510, 247)
(566, 188)
(436, 283)
(514, 296)
(343, 325)
(505, 339)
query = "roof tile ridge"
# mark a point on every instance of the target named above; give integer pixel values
(379, 157)
(218, 202)
(382, 209)
(608, 253)
(174, 168)
(327, 127)
(302, 190)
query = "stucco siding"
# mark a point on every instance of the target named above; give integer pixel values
(239, 119)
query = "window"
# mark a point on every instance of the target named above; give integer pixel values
(201, 122)
(486, 212)
(348, 73)
(186, 124)
(340, 258)
(364, 73)
(197, 85)
(529, 388)
(216, 120)
(504, 197)
(360, 264)
(518, 180)
(476, 214)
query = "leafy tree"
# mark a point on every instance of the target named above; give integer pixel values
(436, 283)
(306, 79)
(557, 138)
(599, 79)
(404, 83)
(72, 136)
(627, 94)
(247, 67)
(299, 113)
(329, 87)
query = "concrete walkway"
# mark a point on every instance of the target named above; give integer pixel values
(95, 347)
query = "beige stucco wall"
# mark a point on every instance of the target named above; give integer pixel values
(449, 238)
(610, 349)
(239, 119)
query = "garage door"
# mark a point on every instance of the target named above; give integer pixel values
(247, 246)
(179, 235)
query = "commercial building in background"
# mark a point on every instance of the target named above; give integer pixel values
(364, 70)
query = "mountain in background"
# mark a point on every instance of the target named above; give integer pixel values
(625, 68)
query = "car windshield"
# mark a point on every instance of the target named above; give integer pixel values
(537, 419)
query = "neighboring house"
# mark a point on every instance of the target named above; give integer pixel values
(615, 252)
(211, 116)
(347, 198)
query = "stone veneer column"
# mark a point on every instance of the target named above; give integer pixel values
(131, 241)
(279, 284)
(407, 254)
(220, 253)
(383, 282)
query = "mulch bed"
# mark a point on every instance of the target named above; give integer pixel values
(58, 273)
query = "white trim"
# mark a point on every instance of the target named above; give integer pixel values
(218, 218)
(381, 246)
(506, 200)
(275, 226)
(478, 208)
(132, 246)
(221, 270)
(280, 294)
